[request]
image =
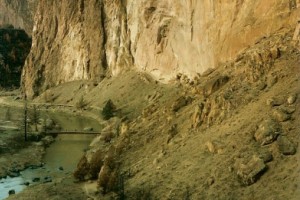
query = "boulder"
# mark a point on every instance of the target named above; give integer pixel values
(48, 140)
(40, 143)
(172, 132)
(208, 72)
(280, 115)
(47, 179)
(275, 102)
(49, 123)
(285, 146)
(26, 183)
(214, 84)
(251, 171)
(266, 156)
(289, 109)
(291, 99)
(272, 80)
(11, 192)
(261, 85)
(215, 147)
(13, 174)
(197, 116)
(181, 102)
(88, 129)
(36, 179)
(267, 132)
(97, 141)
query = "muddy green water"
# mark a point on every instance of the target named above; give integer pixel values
(66, 151)
(61, 159)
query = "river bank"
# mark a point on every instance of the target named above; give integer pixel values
(33, 166)
(54, 180)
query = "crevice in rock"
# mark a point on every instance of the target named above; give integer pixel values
(104, 63)
(191, 25)
(127, 32)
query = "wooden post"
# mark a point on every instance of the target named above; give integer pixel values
(25, 118)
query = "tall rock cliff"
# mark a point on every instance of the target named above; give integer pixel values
(89, 39)
(18, 13)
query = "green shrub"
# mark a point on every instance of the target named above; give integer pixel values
(8, 114)
(108, 110)
(34, 115)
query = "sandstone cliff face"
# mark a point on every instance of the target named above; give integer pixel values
(75, 40)
(191, 36)
(89, 39)
(18, 13)
(67, 44)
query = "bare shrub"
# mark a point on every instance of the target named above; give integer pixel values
(89, 170)
(82, 169)
(81, 103)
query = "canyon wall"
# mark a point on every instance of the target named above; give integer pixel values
(91, 39)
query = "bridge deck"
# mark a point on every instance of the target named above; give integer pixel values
(73, 132)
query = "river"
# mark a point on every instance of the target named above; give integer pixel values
(60, 159)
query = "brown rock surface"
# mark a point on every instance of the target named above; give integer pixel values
(285, 146)
(82, 39)
(267, 132)
(251, 171)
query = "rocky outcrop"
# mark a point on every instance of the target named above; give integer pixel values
(191, 36)
(18, 13)
(83, 39)
(75, 40)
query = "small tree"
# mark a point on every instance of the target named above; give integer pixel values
(187, 194)
(44, 125)
(25, 118)
(81, 103)
(120, 189)
(48, 97)
(108, 110)
(8, 115)
(35, 116)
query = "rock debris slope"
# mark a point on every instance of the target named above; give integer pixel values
(215, 138)
(230, 133)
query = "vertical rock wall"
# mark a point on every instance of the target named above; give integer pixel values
(68, 44)
(89, 39)
(190, 36)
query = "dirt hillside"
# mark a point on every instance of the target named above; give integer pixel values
(230, 133)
